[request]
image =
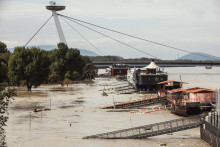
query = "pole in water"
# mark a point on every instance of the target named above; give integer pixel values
(50, 103)
(180, 78)
(41, 113)
(30, 120)
(46, 93)
(113, 101)
(132, 126)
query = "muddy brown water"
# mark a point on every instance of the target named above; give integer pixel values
(74, 114)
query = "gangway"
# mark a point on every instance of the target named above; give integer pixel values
(136, 103)
(153, 109)
(152, 129)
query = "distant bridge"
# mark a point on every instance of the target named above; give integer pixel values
(162, 63)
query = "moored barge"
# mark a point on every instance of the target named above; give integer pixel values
(191, 101)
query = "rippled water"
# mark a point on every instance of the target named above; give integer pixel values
(74, 115)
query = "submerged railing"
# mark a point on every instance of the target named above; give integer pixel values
(152, 129)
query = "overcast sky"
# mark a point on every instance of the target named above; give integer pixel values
(191, 25)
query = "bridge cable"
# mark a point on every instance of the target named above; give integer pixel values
(125, 34)
(111, 38)
(38, 31)
(83, 36)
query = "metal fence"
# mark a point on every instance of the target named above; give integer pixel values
(152, 129)
(217, 97)
(213, 118)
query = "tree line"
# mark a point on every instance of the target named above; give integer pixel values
(34, 66)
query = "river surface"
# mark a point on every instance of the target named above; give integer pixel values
(74, 114)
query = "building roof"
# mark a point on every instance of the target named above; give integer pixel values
(152, 65)
(199, 90)
(176, 90)
(190, 90)
(169, 81)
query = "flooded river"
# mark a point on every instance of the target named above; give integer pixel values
(74, 114)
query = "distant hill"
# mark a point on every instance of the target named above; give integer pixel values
(196, 57)
(50, 47)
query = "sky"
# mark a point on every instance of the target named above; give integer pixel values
(190, 25)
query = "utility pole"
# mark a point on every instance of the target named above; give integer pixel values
(54, 8)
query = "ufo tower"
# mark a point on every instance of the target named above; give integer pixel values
(54, 8)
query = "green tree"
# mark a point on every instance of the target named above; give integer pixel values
(3, 47)
(5, 95)
(28, 67)
(69, 64)
(89, 71)
(53, 78)
(68, 75)
(4, 56)
(3, 72)
(66, 61)
(75, 76)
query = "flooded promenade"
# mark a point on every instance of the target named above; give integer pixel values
(74, 114)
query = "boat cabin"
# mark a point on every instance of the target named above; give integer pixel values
(164, 86)
(190, 101)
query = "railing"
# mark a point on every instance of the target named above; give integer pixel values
(213, 118)
(152, 129)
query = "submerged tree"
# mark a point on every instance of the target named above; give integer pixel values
(4, 56)
(68, 63)
(5, 96)
(28, 67)
(3, 72)
(89, 71)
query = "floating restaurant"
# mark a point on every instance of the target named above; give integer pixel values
(146, 78)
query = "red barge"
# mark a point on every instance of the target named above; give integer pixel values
(189, 101)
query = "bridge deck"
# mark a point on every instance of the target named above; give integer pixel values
(152, 129)
(136, 103)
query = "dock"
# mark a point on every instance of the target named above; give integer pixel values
(152, 129)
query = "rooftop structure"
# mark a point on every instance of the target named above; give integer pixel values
(54, 7)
